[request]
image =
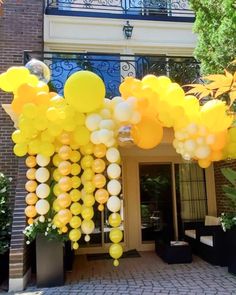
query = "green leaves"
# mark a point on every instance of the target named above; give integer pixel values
(230, 175)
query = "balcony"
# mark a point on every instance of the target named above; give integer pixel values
(113, 68)
(162, 10)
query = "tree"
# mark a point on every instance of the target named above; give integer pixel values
(216, 26)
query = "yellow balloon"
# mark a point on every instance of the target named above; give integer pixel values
(88, 174)
(147, 133)
(99, 150)
(101, 195)
(89, 187)
(87, 149)
(88, 200)
(31, 186)
(75, 156)
(75, 169)
(56, 190)
(30, 211)
(76, 182)
(56, 175)
(75, 235)
(81, 135)
(86, 162)
(98, 165)
(114, 219)
(87, 213)
(99, 180)
(115, 251)
(64, 167)
(64, 216)
(75, 222)
(116, 235)
(204, 163)
(31, 198)
(64, 200)
(18, 136)
(65, 183)
(20, 149)
(56, 206)
(85, 91)
(75, 195)
(75, 208)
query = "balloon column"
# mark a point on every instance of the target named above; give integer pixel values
(71, 142)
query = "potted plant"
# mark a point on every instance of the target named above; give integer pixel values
(5, 226)
(228, 220)
(49, 251)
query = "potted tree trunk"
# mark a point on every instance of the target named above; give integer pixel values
(228, 220)
(5, 224)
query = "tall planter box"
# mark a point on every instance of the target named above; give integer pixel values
(231, 241)
(4, 266)
(49, 262)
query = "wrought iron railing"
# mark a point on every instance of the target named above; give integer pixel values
(113, 68)
(139, 9)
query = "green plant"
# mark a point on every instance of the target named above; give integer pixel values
(5, 214)
(215, 25)
(228, 220)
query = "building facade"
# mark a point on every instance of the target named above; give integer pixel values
(159, 188)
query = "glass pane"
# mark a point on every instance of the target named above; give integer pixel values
(190, 193)
(156, 202)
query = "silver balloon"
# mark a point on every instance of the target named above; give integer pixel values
(124, 136)
(39, 69)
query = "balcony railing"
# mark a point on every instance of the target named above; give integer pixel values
(171, 10)
(113, 68)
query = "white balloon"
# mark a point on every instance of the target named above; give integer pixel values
(186, 157)
(132, 101)
(116, 100)
(180, 135)
(42, 207)
(190, 145)
(94, 137)
(43, 190)
(202, 152)
(113, 171)
(105, 135)
(114, 187)
(108, 104)
(105, 113)
(113, 155)
(123, 112)
(42, 160)
(42, 174)
(114, 204)
(92, 121)
(107, 124)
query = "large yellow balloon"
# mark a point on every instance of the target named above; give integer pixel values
(116, 235)
(147, 133)
(115, 251)
(85, 91)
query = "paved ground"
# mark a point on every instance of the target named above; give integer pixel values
(145, 275)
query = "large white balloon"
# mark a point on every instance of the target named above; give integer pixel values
(111, 142)
(113, 204)
(43, 190)
(42, 160)
(87, 226)
(190, 145)
(202, 152)
(92, 121)
(113, 155)
(42, 207)
(114, 187)
(105, 135)
(113, 171)
(42, 174)
(123, 111)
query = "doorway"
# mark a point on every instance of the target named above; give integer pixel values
(156, 202)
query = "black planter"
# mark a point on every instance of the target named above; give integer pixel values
(4, 266)
(68, 256)
(231, 241)
(49, 262)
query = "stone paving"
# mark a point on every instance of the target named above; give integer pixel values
(145, 275)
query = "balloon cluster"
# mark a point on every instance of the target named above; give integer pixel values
(71, 142)
(200, 131)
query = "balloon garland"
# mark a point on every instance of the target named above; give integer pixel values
(71, 143)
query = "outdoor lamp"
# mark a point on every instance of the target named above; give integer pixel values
(128, 29)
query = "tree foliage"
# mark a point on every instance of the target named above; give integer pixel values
(216, 28)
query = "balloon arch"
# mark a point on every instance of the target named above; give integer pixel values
(71, 142)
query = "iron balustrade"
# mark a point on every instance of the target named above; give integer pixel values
(175, 10)
(113, 68)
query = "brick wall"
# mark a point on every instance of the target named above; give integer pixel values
(21, 28)
(223, 203)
